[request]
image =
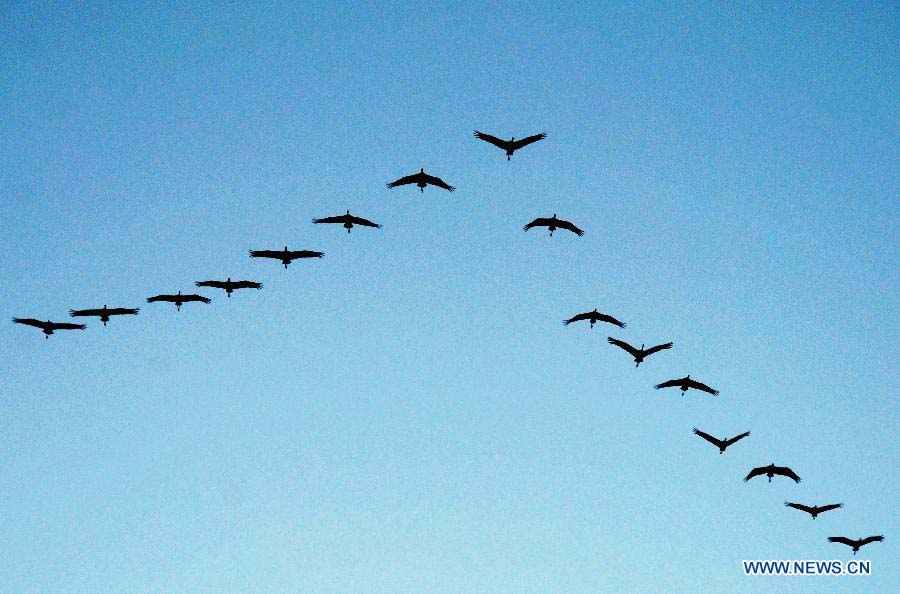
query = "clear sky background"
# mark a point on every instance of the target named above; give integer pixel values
(409, 414)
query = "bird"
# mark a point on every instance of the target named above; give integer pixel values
(421, 179)
(720, 443)
(814, 510)
(286, 256)
(685, 383)
(348, 220)
(593, 317)
(178, 299)
(553, 223)
(638, 354)
(104, 312)
(48, 327)
(229, 285)
(770, 471)
(511, 145)
(856, 544)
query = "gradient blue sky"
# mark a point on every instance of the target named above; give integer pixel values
(409, 414)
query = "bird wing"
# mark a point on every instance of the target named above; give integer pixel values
(436, 181)
(830, 507)
(570, 226)
(610, 320)
(669, 384)
(66, 326)
(869, 539)
(492, 139)
(657, 348)
(30, 322)
(755, 472)
(799, 506)
(160, 298)
(736, 438)
(702, 387)
(623, 345)
(304, 254)
(245, 284)
(212, 283)
(364, 222)
(123, 311)
(785, 471)
(186, 298)
(86, 312)
(538, 222)
(528, 140)
(843, 540)
(266, 254)
(577, 318)
(715, 441)
(407, 179)
(336, 219)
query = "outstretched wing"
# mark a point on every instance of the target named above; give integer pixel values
(160, 298)
(30, 322)
(624, 345)
(570, 226)
(869, 539)
(799, 506)
(657, 348)
(266, 254)
(830, 507)
(577, 318)
(785, 471)
(610, 320)
(436, 181)
(123, 311)
(186, 298)
(492, 139)
(305, 254)
(66, 326)
(212, 283)
(528, 140)
(737, 438)
(755, 472)
(364, 222)
(669, 384)
(407, 179)
(337, 219)
(716, 442)
(538, 222)
(87, 312)
(842, 540)
(702, 387)
(245, 284)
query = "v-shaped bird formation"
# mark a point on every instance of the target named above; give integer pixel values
(422, 180)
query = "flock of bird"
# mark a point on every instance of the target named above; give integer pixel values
(422, 180)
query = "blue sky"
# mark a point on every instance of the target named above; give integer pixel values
(409, 414)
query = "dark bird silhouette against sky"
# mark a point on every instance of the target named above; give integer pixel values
(511, 145)
(348, 220)
(553, 224)
(638, 354)
(855, 544)
(722, 444)
(48, 327)
(178, 299)
(104, 313)
(421, 179)
(770, 471)
(813, 510)
(593, 317)
(685, 384)
(286, 256)
(229, 285)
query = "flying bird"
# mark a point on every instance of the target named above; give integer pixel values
(421, 179)
(104, 313)
(230, 285)
(638, 354)
(178, 299)
(593, 317)
(286, 256)
(770, 471)
(685, 383)
(722, 444)
(48, 327)
(553, 223)
(856, 544)
(511, 145)
(348, 221)
(813, 510)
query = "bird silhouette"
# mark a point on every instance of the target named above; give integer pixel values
(685, 384)
(856, 544)
(722, 444)
(511, 145)
(348, 221)
(48, 327)
(553, 223)
(421, 179)
(638, 354)
(286, 256)
(813, 510)
(104, 313)
(178, 299)
(771, 470)
(593, 317)
(229, 285)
